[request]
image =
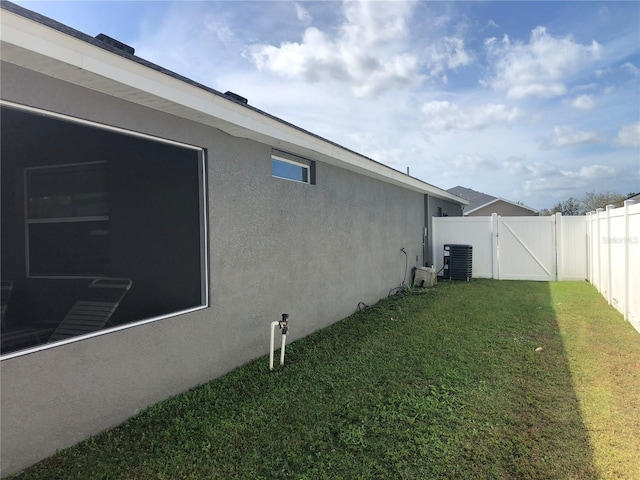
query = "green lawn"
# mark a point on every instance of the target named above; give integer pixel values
(446, 384)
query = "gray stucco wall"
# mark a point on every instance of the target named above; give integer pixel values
(436, 207)
(313, 251)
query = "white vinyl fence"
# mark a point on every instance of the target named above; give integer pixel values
(602, 247)
(614, 257)
(517, 248)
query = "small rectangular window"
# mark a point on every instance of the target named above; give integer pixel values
(289, 170)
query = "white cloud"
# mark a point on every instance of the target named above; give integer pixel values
(556, 185)
(472, 162)
(590, 172)
(443, 115)
(190, 39)
(586, 86)
(584, 103)
(302, 14)
(628, 136)
(537, 68)
(567, 137)
(528, 168)
(220, 28)
(373, 23)
(557, 181)
(384, 149)
(367, 51)
(635, 71)
(448, 54)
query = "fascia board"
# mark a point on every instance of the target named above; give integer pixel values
(16, 30)
(54, 53)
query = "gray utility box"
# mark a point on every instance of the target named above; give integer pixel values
(424, 277)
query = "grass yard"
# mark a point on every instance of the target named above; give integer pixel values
(446, 384)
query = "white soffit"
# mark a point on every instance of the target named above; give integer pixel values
(37, 47)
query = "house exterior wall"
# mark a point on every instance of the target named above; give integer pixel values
(436, 207)
(275, 246)
(503, 208)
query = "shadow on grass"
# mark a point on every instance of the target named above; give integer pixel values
(604, 356)
(441, 385)
(543, 430)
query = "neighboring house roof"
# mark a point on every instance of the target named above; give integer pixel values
(476, 199)
(70, 55)
(479, 200)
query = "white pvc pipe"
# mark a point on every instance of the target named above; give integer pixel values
(284, 338)
(273, 327)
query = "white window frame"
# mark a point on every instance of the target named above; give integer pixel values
(305, 167)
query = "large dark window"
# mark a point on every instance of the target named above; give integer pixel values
(100, 228)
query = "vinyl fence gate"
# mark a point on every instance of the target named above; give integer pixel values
(518, 248)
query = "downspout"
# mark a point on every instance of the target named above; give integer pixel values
(427, 228)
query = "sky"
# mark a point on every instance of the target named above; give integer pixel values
(533, 102)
